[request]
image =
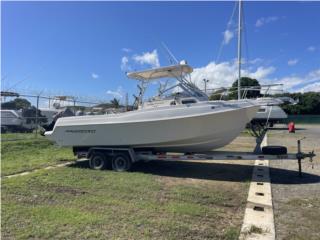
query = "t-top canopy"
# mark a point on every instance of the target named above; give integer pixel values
(162, 72)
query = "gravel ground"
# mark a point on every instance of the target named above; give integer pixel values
(296, 200)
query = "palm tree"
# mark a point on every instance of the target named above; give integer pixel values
(115, 103)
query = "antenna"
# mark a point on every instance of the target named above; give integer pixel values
(239, 52)
(172, 58)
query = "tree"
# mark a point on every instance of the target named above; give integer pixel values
(216, 95)
(104, 105)
(30, 115)
(309, 103)
(16, 104)
(115, 103)
(245, 82)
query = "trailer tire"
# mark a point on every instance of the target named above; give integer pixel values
(121, 162)
(274, 150)
(97, 161)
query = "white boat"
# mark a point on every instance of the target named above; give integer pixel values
(182, 124)
(11, 118)
(13, 121)
(270, 115)
(193, 127)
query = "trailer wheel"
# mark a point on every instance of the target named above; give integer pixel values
(97, 161)
(121, 162)
(274, 150)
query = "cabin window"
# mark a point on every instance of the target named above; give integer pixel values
(262, 110)
(188, 101)
(8, 115)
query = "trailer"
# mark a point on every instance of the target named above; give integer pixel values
(122, 158)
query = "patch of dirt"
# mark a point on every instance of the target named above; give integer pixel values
(241, 143)
(218, 172)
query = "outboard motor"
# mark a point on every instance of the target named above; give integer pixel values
(64, 113)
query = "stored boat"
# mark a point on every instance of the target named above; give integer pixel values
(181, 124)
(183, 128)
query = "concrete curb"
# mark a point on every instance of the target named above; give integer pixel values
(258, 222)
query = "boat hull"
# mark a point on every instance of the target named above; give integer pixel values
(203, 131)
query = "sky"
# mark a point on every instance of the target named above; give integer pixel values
(85, 48)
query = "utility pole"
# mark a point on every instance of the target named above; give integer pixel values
(239, 51)
(205, 85)
(37, 109)
(74, 106)
(127, 102)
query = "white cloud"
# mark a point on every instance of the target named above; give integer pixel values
(150, 58)
(290, 82)
(125, 64)
(259, 22)
(127, 50)
(314, 75)
(265, 20)
(225, 73)
(311, 48)
(119, 93)
(293, 62)
(301, 83)
(227, 36)
(314, 87)
(256, 61)
(261, 72)
(94, 75)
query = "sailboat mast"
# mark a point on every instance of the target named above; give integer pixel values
(239, 51)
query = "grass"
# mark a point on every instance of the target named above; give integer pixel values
(255, 229)
(79, 203)
(18, 136)
(69, 203)
(30, 153)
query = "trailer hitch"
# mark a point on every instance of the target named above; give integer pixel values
(301, 155)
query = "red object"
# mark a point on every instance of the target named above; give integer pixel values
(291, 127)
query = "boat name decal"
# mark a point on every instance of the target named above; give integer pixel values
(81, 131)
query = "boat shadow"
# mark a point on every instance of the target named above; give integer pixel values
(217, 171)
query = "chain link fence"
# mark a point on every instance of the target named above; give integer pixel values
(24, 116)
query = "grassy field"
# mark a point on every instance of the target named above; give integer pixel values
(80, 203)
(157, 200)
(28, 153)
